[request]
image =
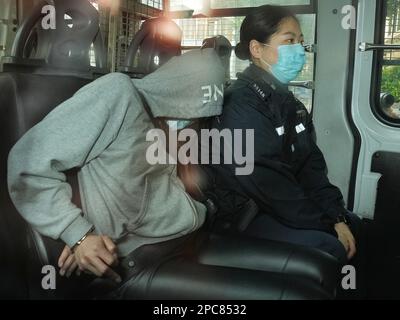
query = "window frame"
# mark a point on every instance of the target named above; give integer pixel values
(160, 3)
(297, 9)
(378, 64)
(238, 12)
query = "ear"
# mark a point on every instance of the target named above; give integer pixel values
(255, 49)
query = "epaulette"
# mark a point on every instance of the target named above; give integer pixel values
(261, 93)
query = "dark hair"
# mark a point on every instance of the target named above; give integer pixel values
(261, 24)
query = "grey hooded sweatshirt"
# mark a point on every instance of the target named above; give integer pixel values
(102, 130)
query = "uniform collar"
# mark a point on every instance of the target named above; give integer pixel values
(254, 73)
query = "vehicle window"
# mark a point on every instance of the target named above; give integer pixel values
(158, 4)
(388, 64)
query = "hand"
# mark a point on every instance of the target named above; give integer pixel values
(67, 262)
(346, 238)
(98, 254)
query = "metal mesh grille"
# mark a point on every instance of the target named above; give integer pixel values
(131, 16)
(119, 29)
(158, 4)
(8, 12)
(196, 30)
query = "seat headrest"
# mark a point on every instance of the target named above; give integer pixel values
(64, 44)
(223, 48)
(157, 41)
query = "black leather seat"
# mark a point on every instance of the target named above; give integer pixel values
(33, 84)
(277, 257)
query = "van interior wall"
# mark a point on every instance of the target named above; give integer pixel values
(336, 140)
(332, 66)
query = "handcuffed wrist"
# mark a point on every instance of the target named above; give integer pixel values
(79, 242)
(75, 231)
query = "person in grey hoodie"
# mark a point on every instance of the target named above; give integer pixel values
(127, 204)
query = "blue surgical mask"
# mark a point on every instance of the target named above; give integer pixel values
(291, 60)
(177, 125)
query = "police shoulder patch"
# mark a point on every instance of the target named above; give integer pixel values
(261, 93)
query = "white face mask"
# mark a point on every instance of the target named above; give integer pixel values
(178, 124)
(291, 60)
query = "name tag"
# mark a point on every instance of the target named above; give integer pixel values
(300, 128)
(280, 131)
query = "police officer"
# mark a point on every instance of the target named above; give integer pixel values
(288, 197)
